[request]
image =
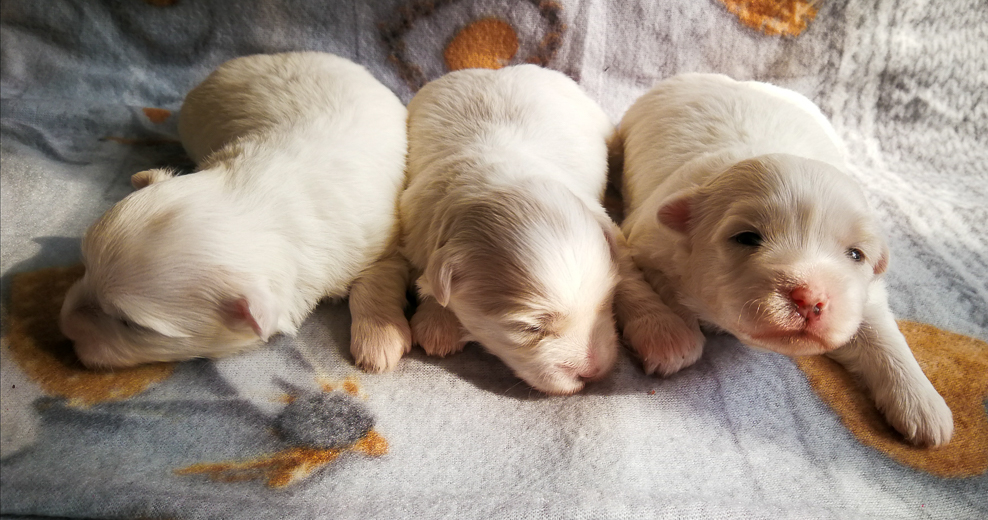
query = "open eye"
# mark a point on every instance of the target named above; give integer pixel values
(855, 254)
(748, 238)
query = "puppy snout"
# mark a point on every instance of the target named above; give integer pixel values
(810, 302)
(90, 355)
(591, 370)
(590, 373)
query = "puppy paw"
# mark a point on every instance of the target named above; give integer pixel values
(921, 416)
(378, 343)
(436, 329)
(664, 342)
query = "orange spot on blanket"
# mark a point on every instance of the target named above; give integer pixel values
(287, 466)
(773, 17)
(349, 385)
(488, 42)
(157, 115)
(46, 356)
(485, 44)
(958, 368)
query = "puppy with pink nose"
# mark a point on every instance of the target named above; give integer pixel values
(741, 215)
(503, 224)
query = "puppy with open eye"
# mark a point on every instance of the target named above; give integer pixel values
(741, 215)
(502, 221)
(301, 160)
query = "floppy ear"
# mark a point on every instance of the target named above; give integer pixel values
(883, 258)
(258, 310)
(437, 281)
(148, 177)
(611, 232)
(676, 212)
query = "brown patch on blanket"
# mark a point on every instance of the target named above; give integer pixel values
(349, 385)
(958, 368)
(485, 44)
(773, 17)
(480, 44)
(46, 356)
(552, 15)
(157, 115)
(287, 466)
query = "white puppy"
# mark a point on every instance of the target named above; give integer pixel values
(301, 159)
(741, 215)
(502, 219)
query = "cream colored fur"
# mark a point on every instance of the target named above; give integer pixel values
(741, 215)
(502, 221)
(301, 159)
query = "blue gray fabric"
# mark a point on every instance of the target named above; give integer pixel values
(740, 435)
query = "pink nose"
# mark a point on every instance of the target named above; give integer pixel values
(590, 373)
(591, 370)
(810, 302)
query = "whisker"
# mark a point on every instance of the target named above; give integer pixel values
(512, 386)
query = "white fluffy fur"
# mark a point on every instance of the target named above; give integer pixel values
(301, 159)
(741, 215)
(502, 220)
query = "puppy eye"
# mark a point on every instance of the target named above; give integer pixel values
(128, 324)
(534, 329)
(855, 254)
(748, 238)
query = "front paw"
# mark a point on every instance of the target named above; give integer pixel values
(921, 416)
(436, 330)
(665, 343)
(377, 343)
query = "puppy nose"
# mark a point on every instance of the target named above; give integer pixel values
(810, 303)
(591, 370)
(591, 373)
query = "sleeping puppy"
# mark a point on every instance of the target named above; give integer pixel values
(502, 221)
(742, 216)
(301, 159)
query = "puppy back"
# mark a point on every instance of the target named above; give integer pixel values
(253, 94)
(692, 116)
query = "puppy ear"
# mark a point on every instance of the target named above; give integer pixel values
(258, 310)
(676, 212)
(611, 232)
(883, 259)
(437, 281)
(148, 177)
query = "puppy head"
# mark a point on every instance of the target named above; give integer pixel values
(158, 286)
(530, 274)
(779, 251)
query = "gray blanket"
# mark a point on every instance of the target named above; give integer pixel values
(87, 87)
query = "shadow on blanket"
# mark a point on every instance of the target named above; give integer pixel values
(951, 361)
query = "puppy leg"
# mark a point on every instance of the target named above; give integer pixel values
(379, 332)
(665, 341)
(436, 329)
(880, 357)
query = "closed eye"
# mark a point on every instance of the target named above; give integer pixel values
(130, 324)
(544, 325)
(537, 330)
